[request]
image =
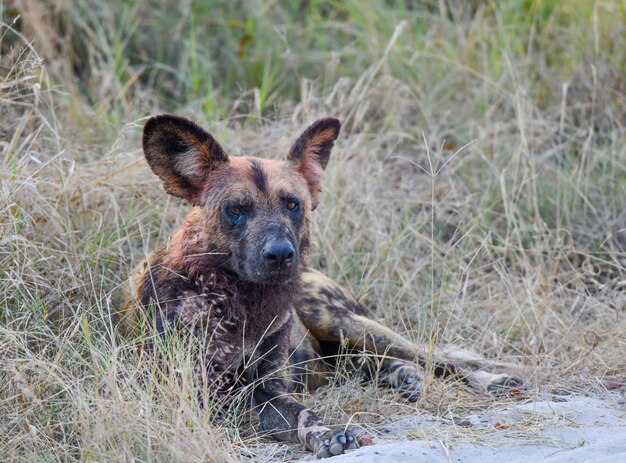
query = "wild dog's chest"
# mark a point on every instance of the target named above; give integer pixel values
(234, 316)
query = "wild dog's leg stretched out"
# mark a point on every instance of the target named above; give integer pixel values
(332, 315)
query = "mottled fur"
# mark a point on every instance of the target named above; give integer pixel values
(235, 276)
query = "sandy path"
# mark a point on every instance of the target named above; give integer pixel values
(579, 429)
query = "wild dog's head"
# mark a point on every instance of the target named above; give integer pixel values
(257, 212)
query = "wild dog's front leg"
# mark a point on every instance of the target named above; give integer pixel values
(284, 417)
(198, 316)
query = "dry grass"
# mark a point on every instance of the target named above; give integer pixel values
(477, 196)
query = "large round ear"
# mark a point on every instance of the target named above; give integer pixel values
(182, 154)
(311, 151)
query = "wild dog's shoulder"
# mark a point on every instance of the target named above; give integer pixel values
(134, 287)
(318, 289)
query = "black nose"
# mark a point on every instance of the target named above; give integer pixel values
(278, 253)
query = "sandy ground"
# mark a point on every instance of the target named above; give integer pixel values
(570, 429)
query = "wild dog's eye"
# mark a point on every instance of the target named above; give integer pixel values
(292, 205)
(235, 212)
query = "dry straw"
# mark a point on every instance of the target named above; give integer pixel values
(476, 196)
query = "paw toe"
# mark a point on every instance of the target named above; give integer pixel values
(338, 441)
(360, 436)
(333, 444)
(336, 448)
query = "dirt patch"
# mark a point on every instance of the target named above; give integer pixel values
(575, 429)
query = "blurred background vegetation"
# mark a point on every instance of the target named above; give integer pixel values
(237, 57)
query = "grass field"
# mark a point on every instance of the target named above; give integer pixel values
(477, 195)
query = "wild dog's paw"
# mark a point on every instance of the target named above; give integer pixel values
(504, 384)
(411, 386)
(337, 441)
(499, 384)
(406, 377)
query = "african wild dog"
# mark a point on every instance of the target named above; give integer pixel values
(237, 269)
